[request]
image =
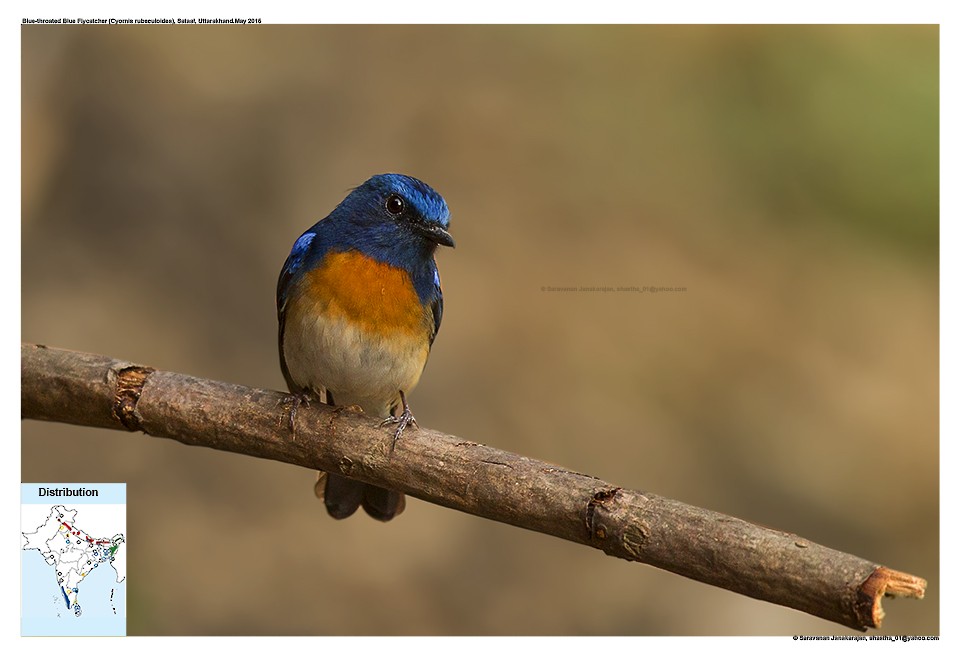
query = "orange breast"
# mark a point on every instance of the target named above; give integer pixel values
(376, 296)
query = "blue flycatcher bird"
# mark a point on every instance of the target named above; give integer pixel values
(359, 304)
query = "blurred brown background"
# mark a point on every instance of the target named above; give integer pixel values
(786, 176)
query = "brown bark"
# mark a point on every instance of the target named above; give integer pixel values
(779, 567)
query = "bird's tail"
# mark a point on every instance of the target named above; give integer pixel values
(344, 496)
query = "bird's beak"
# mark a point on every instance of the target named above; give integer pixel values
(438, 235)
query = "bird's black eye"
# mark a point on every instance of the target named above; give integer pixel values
(394, 204)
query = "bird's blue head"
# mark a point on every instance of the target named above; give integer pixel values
(392, 217)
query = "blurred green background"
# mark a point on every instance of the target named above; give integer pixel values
(786, 176)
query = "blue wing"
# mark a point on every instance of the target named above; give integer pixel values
(437, 305)
(292, 267)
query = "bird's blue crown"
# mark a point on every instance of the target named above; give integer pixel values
(426, 201)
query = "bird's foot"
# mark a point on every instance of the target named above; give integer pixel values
(405, 419)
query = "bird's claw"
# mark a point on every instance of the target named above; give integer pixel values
(405, 419)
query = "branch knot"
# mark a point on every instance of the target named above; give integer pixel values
(130, 382)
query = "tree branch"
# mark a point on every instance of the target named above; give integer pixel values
(92, 390)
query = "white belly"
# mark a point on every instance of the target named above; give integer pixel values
(359, 368)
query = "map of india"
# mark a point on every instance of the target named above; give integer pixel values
(72, 553)
(73, 564)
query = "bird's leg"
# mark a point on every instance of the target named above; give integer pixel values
(405, 418)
